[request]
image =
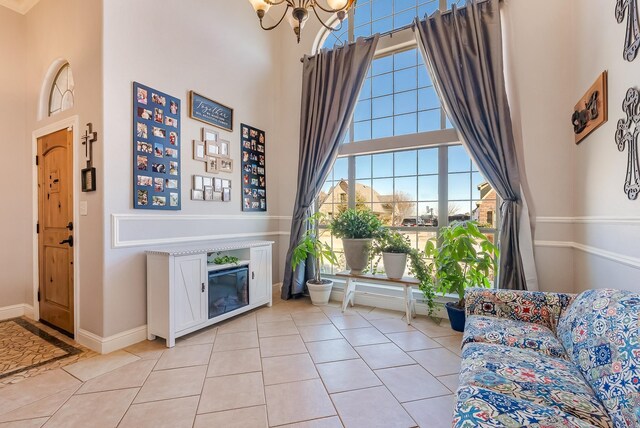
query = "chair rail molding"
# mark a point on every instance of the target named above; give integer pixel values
(118, 241)
(590, 220)
(633, 262)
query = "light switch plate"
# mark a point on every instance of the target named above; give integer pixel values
(84, 209)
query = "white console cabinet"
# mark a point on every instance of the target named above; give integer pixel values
(178, 283)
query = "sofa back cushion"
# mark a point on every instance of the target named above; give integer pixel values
(601, 333)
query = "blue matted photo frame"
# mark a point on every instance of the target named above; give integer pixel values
(156, 149)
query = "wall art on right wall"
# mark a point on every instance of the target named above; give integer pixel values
(627, 138)
(592, 110)
(629, 9)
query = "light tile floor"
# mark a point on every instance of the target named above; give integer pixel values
(289, 365)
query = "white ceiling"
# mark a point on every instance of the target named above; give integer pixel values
(20, 6)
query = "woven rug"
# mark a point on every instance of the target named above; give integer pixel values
(27, 347)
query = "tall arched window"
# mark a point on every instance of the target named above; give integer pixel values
(61, 97)
(401, 157)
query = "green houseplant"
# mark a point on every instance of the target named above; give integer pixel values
(464, 258)
(310, 245)
(357, 228)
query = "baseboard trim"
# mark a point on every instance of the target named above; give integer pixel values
(605, 254)
(15, 311)
(105, 345)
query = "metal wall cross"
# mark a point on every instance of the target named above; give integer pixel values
(627, 137)
(632, 35)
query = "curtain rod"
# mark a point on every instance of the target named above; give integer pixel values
(412, 26)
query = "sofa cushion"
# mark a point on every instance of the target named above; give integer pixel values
(530, 306)
(518, 334)
(600, 332)
(505, 386)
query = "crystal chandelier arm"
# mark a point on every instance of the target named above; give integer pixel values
(322, 22)
(277, 23)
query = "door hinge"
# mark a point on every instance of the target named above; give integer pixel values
(37, 160)
(38, 227)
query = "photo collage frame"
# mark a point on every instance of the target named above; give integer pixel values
(156, 149)
(216, 155)
(254, 186)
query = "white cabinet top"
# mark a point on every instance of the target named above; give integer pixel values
(206, 247)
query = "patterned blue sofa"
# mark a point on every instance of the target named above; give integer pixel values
(550, 360)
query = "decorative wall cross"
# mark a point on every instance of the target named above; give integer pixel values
(90, 136)
(627, 137)
(632, 35)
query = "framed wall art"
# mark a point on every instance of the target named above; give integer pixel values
(156, 149)
(211, 112)
(591, 112)
(254, 186)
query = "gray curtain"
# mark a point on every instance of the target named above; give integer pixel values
(331, 83)
(463, 52)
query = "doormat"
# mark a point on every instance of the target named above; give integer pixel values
(25, 346)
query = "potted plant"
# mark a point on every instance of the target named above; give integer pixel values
(394, 247)
(311, 246)
(356, 228)
(465, 258)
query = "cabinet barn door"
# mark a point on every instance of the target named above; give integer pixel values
(260, 276)
(190, 291)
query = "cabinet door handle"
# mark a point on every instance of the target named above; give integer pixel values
(203, 287)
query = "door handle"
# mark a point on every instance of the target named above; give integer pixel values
(203, 287)
(253, 275)
(69, 241)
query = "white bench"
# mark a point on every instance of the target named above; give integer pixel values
(406, 283)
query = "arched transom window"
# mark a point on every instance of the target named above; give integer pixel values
(61, 97)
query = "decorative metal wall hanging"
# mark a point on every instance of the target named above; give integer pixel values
(89, 173)
(592, 109)
(632, 34)
(627, 137)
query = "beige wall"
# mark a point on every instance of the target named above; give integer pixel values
(15, 254)
(219, 51)
(607, 230)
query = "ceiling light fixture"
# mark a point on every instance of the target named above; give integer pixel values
(300, 12)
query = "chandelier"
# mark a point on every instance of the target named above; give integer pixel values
(300, 12)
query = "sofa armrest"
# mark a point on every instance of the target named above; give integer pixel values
(529, 306)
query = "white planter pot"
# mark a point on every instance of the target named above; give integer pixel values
(356, 253)
(320, 293)
(394, 264)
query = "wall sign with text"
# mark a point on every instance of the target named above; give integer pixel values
(156, 149)
(209, 111)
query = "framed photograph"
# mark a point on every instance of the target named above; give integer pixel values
(198, 182)
(225, 165)
(212, 164)
(209, 134)
(213, 148)
(197, 195)
(224, 148)
(217, 184)
(199, 152)
(156, 149)
(226, 194)
(208, 193)
(253, 158)
(207, 181)
(212, 112)
(226, 184)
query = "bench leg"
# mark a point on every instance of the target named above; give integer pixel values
(347, 295)
(409, 303)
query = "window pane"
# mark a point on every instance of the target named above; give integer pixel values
(382, 65)
(429, 120)
(458, 159)
(380, 9)
(428, 99)
(405, 102)
(423, 75)
(404, 211)
(363, 191)
(382, 85)
(362, 14)
(382, 128)
(459, 186)
(407, 188)
(428, 188)
(340, 169)
(485, 213)
(427, 9)
(382, 107)
(366, 89)
(400, 5)
(383, 165)
(428, 161)
(382, 25)
(405, 124)
(363, 110)
(405, 80)
(405, 163)
(362, 31)
(405, 59)
(403, 19)
(362, 131)
(363, 166)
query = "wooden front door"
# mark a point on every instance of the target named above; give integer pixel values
(55, 222)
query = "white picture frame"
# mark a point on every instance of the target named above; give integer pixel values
(212, 148)
(198, 183)
(199, 152)
(224, 148)
(212, 165)
(209, 134)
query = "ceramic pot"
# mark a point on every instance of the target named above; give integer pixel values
(394, 264)
(356, 253)
(320, 293)
(456, 316)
